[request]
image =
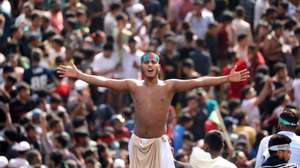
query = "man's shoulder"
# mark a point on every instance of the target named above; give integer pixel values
(225, 163)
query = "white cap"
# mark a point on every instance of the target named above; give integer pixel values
(138, 8)
(3, 161)
(21, 146)
(79, 85)
(119, 163)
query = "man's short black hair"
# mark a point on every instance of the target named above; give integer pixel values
(184, 119)
(240, 11)
(108, 47)
(242, 37)
(57, 157)
(34, 16)
(240, 116)
(120, 17)
(21, 86)
(7, 69)
(263, 69)
(36, 55)
(214, 141)
(233, 104)
(13, 30)
(279, 66)
(63, 140)
(115, 6)
(289, 116)
(131, 39)
(55, 98)
(277, 25)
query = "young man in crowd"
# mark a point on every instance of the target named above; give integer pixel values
(149, 146)
(280, 153)
(210, 155)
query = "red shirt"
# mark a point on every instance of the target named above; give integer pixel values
(121, 134)
(255, 62)
(236, 87)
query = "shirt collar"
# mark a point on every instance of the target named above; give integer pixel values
(287, 133)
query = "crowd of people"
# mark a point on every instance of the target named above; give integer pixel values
(58, 122)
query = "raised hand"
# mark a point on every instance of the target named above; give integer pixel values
(68, 71)
(238, 76)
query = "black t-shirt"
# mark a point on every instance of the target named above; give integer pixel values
(169, 61)
(18, 109)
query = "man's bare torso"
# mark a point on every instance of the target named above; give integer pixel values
(151, 105)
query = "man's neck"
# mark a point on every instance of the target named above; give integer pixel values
(151, 82)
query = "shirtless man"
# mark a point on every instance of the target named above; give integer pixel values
(148, 145)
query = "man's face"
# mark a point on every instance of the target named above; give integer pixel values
(198, 8)
(132, 46)
(32, 134)
(19, 33)
(284, 155)
(107, 53)
(283, 73)
(244, 42)
(37, 22)
(170, 46)
(24, 93)
(193, 104)
(59, 128)
(150, 68)
(279, 32)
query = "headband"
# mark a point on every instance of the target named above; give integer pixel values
(149, 57)
(285, 122)
(279, 147)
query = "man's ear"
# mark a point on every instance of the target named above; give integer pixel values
(205, 147)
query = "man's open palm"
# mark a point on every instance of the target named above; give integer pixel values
(68, 71)
(238, 76)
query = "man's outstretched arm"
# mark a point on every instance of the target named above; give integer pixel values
(185, 85)
(73, 72)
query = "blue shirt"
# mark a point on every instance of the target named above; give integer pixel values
(178, 137)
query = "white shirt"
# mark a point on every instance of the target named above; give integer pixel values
(208, 13)
(251, 110)
(21, 20)
(18, 163)
(260, 7)
(128, 60)
(199, 25)
(101, 63)
(296, 87)
(5, 7)
(109, 23)
(263, 152)
(240, 26)
(199, 159)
